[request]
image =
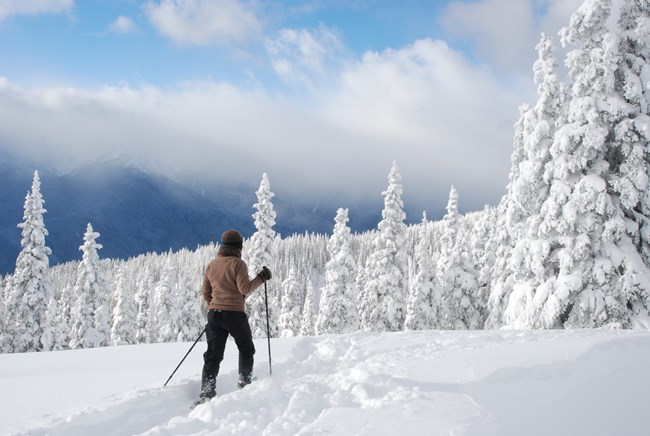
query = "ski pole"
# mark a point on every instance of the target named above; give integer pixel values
(186, 354)
(268, 331)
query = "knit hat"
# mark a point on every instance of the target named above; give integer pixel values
(232, 238)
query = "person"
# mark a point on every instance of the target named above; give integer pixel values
(225, 286)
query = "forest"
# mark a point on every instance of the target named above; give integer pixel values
(568, 246)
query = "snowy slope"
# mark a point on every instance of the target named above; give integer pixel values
(586, 382)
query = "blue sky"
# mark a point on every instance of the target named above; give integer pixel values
(323, 95)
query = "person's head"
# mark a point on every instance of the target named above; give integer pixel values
(232, 238)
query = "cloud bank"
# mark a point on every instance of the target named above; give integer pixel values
(443, 119)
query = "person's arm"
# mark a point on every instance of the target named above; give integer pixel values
(244, 284)
(206, 289)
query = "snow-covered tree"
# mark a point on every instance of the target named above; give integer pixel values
(29, 291)
(166, 318)
(53, 336)
(143, 303)
(259, 253)
(460, 305)
(191, 318)
(424, 300)
(291, 306)
(630, 158)
(308, 317)
(522, 266)
(583, 225)
(90, 318)
(125, 313)
(386, 268)
(337, 309)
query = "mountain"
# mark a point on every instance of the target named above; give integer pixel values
(135, 212)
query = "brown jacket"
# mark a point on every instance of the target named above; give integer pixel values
(226, 281)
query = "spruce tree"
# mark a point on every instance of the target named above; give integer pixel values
(89, 318)
(337, 309)
(630, 158)
(164, 309)
(307, 322)
(52, 339)
(423, 301)
(291, 306)
(29, 292)
(386, 287)
(123, 330)
(525, 266)
(460, 305)
(598, 280)
(259, 253)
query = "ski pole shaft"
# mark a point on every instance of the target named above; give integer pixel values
(186, 354)
(268, 330)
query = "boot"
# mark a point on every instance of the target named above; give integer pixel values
(244, 380)
(208, 388)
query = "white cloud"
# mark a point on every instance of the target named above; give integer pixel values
(505, 32)
(445, 121)
(205, 22)
(122, 26)
(34, 7)
(298, 54)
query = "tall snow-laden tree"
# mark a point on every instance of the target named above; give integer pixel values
(630, 159)
(143, 302)
(89, 318)
(589, 250)
(524, 269)
(337, 309)
(29, 292)
(53, 337)
(259, 253)
(424, 300)
(164, 308)
(291, 306)
(307, 322)
(386, 268)
(460, 306)
(191, 318)
(123, 331)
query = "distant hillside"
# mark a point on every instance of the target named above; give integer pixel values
(135, 212)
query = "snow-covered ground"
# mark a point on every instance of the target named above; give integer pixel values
(585, 382)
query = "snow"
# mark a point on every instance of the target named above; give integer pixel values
(477, 383)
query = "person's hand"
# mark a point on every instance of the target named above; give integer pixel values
(265, 273)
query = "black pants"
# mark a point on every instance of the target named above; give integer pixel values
(222, 323)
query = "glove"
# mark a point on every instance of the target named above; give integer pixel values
(265, 273)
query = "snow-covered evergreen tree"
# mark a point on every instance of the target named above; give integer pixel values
(424, 300)
(29, 292)
(308, 317)
(259, 253)
(88, 314)
(590, 251)
(125, 313)
(53, 337)
(189, 300)
(460, 304)
(630, 159)
(523, 269)
(291, 306)
(143, 304)
(386, 268)
(165, 311)
(337, 309)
